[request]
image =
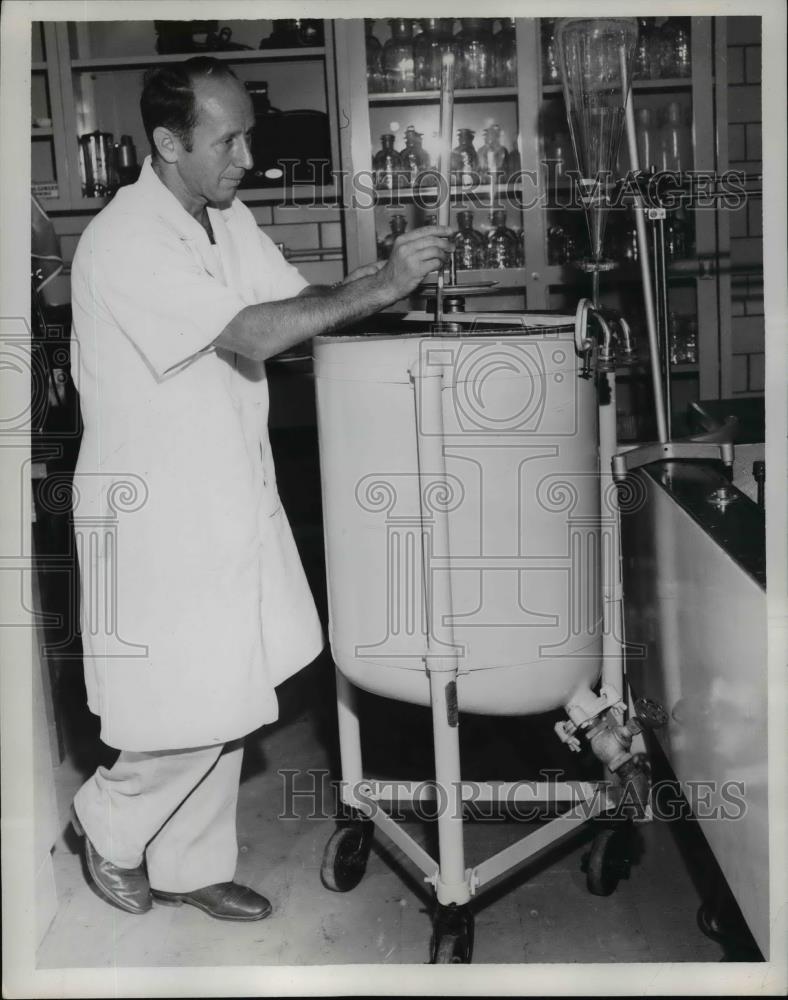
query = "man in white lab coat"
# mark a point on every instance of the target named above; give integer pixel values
(194, 605)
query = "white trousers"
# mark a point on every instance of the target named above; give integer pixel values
(174, 808)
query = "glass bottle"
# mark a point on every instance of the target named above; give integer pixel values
(501, 242)
(464, 161)
(428, 48)
(475, 53)
(648, 154)
(398, 225)
(375, 81)
(641, 66)
(675, 148)
(660, 50)
(675, 237)
(551, 69)
(387, 164)
(414, 160)
(398, 56)
(682, 54)
(468, 244)
(505, 54)
(492, 155)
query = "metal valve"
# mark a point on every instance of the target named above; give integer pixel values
(649, 714)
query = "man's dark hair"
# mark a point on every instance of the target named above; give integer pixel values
(168, 96)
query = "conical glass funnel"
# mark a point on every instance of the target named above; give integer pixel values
(596, 56)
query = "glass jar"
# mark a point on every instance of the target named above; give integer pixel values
(505, 54)
(501, 242)
(468, 244)
(464, 160)
(397, 225)
(551, 68)
(428, 48)
(475, 53)
(375, 81)
(414, 159)
(398, 56)
(387, 164)
(492, 156)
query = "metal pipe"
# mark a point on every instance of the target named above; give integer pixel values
(446, 124)
(349, 738)
(645, 275)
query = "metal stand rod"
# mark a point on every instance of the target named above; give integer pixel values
(645, 274)
(660, 266)
(349, 738)
(441, 659)
(610, 568)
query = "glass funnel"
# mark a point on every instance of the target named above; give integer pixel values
(596, 58)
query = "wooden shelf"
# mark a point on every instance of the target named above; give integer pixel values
(673, 83)
(293, 195)
(240, 55)
(42, 133)
(477, 192)
(38, 67)
(433, 96)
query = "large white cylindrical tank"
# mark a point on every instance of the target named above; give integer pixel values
(521, 493)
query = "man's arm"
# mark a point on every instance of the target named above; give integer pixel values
(262, 331)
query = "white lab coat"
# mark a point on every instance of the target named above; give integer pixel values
(194, 601)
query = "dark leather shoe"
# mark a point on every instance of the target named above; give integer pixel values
(126, 888)
(225, 901)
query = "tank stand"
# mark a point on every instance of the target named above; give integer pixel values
(452, 934)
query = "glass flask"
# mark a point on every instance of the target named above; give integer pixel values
(505, 54)
(375, 81)
(398, 56)
(468, 244)
(501, 242)
(596, 56)
(387, 164)
(492, 155)
(428, 48)
(475, 67)
(397, 225)
(464, 160)
(414, 160)
(551, 70)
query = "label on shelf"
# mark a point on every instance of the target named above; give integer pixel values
(45, 189)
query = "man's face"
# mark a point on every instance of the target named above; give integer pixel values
(220, 153)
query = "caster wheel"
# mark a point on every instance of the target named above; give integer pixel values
(345, 857)
(609, 859)
(452, 937)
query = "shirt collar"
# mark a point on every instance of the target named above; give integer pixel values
(156, 192)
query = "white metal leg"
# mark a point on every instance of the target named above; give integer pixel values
(349, 738)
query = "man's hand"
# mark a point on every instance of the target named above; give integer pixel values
(365, 271)
(413, 256)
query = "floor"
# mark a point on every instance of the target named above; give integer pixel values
(543, 913)
(540, 913)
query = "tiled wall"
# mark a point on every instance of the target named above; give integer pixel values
(315, 233)
(746, 223)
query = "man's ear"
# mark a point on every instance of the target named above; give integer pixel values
(167, 143)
